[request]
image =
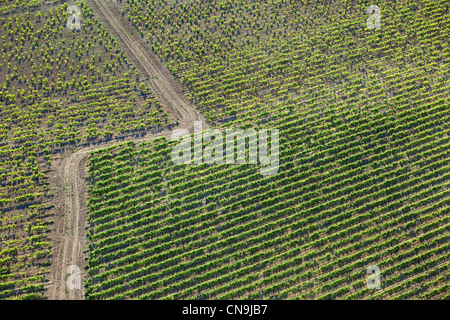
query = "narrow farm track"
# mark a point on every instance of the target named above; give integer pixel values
(70, 174)
(69, 238)
(70, 232)
(161, 82)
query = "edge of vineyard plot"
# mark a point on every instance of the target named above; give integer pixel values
(164, 231)
(363, 178)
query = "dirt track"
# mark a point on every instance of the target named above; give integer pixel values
(161, 82)
(69, 239)
(69, 225)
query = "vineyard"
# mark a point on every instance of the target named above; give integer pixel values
(364, 171)
(59, 89)
(364, 164)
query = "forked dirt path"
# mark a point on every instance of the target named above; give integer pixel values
(69, 238)
(70, 241)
